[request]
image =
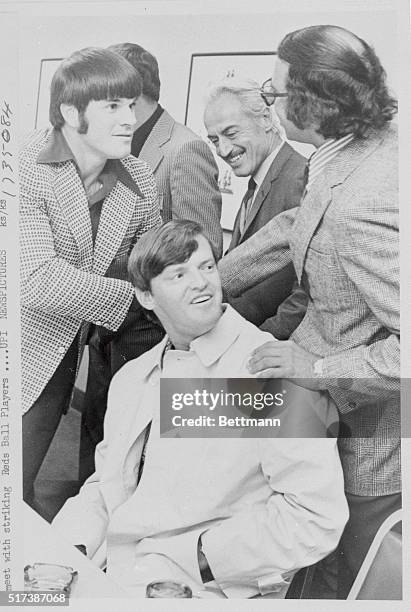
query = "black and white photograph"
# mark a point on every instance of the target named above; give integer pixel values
(204, 199)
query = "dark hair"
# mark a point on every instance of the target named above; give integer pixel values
(335, 80)
(91, 74)
(145, 64)
(167, 245)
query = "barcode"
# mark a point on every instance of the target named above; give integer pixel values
(33, 598)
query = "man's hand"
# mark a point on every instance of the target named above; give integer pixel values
(286, 359)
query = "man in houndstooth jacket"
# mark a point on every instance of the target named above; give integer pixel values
(343, 241)
(82, 210)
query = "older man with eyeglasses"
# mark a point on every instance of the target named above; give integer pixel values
(344, 244)
(247, 136)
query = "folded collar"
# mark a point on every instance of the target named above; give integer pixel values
(210, 346)
(57, 150)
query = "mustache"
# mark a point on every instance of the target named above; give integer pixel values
(231, 155)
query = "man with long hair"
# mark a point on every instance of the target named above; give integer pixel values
(330, 91)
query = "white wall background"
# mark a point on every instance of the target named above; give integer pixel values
(173, 38)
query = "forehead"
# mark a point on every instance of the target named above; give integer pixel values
(224, 111)
(280, 74)
(201, 254)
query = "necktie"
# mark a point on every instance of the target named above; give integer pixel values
(246, 203)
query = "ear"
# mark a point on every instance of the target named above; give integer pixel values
(267, 119)
(70, 115)
(145, 298)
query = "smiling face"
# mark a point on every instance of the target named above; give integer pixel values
(240, 139)
(187, 297)
(106, 128)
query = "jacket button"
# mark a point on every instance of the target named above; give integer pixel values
(61, 350)
(99, 323)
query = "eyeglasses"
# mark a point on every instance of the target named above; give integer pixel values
(269, 94)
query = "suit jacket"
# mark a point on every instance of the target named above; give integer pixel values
(63, 286)
(344, 244)
(264, 506)
(186, 176)
(280, 190)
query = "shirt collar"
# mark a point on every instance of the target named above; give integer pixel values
(331, 145)
(265, 166)
(57, 150)
(323, 155)
(210, 346)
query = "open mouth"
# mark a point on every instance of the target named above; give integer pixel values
(201, 299)
(234, 159)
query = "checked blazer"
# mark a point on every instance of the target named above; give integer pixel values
(63, 283)
(186, 176)
(280, 190)
(344, 244)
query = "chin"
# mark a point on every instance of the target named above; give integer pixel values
(241, 172)
(120, 153)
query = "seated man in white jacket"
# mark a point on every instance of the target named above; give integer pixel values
(246, 513)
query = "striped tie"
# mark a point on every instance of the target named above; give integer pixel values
(246, 203)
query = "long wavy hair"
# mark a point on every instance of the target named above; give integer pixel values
(335, 81)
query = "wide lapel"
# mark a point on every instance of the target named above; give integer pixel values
(319, 196)
(160, 134)
(70, 194)
(271, 176)
(135, 412)
(118, 208)
(307, 219)
(147, 399)
(143, 415)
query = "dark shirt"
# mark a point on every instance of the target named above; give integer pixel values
(143, 132)
(57, 150)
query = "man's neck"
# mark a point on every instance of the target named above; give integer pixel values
(274, 144)
(144, 108)
(90, 166)
(314, 138)
(182, 343)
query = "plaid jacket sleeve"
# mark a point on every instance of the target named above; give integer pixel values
(55, 277)
(268, 250)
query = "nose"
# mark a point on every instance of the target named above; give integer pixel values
(127, 115)
(197, 279)
(224, 147)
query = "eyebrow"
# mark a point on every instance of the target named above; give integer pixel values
(174, 267)
(179, 266)
(205, 261)
(226, 129)
(230, 127)
(119, 99)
